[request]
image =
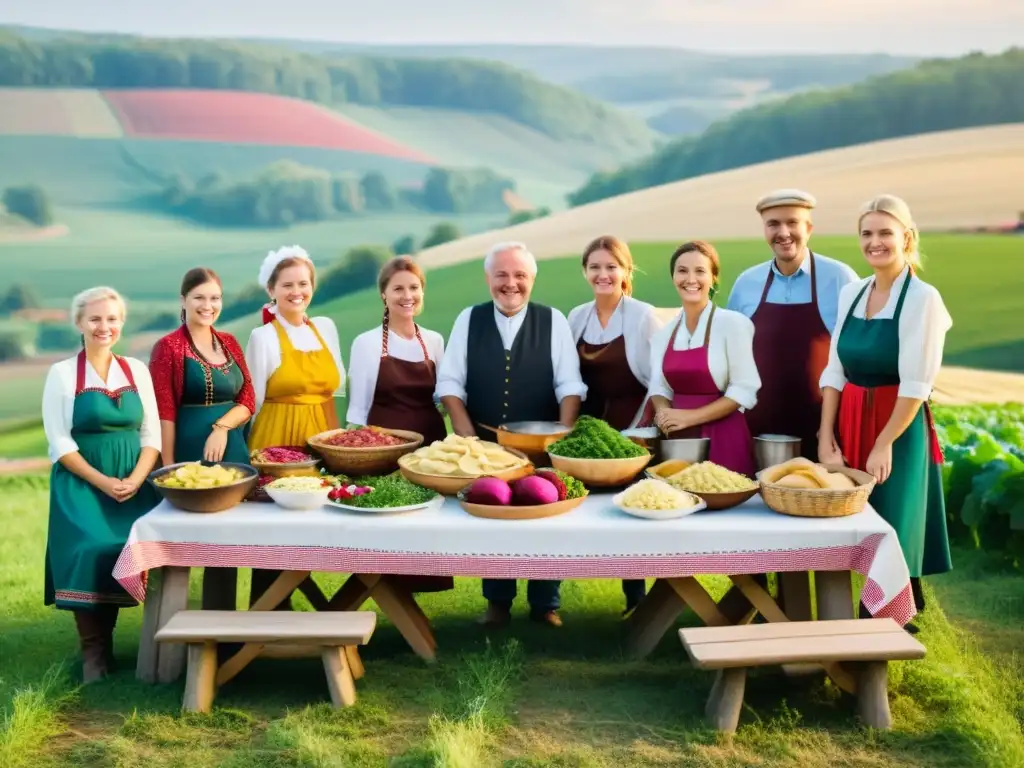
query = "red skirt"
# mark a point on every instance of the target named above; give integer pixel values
(863, 414)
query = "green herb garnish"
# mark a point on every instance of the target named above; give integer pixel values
(573, 487)
(595, 439)
(390, 491)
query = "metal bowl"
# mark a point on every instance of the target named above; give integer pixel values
(531, 437)
(694, 450)
(207, 499)
(775, 449)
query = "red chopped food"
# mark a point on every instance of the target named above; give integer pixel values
(364, 437)
(280, 454)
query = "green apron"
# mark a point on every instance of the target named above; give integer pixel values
(208, 393)
(87, 528)
(911, 499)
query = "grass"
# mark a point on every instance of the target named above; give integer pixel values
(523, 698)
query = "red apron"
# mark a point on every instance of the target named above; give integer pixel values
(404, 399)
(791, 346)
(688, 373)
(613, 393)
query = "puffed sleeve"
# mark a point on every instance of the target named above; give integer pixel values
(659, 386)
(744, 380)
(362, 378)
(922, 337)
(246, 396)
(162, 373)
(329, 331)
(834, 376)
(149, 432)
(58, 393)
(451, 373)
(256, 362)
(565, 359)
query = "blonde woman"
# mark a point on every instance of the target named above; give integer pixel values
(103, 428)
(886, 352)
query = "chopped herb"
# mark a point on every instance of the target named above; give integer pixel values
(573, 487)
(389, 491)
(595, 439)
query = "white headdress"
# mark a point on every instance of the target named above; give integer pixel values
(270, 264)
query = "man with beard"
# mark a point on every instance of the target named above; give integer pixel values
(510, 359)
(792, 301)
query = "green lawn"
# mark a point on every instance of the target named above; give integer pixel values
(527, 696)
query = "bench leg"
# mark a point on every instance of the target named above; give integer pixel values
(339, 677)
(873, 694)
(355, 664)
(726, 699)
(200, 679)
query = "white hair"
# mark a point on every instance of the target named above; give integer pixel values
(498, 248)
(88, 296)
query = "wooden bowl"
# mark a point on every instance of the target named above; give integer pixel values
(206, 499)
(531, 437)
(378, 460)
(821, 502)
(291, 469)
(720, 501)
(512, 512)
(450, 485)
(602, 473)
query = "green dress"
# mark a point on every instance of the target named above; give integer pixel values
(208, 393)
(87, 528)
(911, 499)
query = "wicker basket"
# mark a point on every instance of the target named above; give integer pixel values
(820, 502)
(378, 460)
(602, 473)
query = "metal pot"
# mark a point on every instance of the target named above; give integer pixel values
(775, 449)
(692, 450)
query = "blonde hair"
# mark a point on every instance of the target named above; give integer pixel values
(897, 208)
(619, 251)
(90, 295)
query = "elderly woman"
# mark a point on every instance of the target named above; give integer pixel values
(886, 353)
(103, 428)
(702, 363)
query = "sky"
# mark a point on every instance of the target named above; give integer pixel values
(911, 27)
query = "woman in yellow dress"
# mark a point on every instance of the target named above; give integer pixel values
(295, 364)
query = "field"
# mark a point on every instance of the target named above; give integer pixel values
(524, 697)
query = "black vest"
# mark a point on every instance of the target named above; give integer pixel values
(513, 385)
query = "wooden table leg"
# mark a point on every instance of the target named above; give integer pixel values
(654, 617)
(795, 601)
(400, 607)
(166, 594)
(835, 594)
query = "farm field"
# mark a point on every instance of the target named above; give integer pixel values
(524, 697)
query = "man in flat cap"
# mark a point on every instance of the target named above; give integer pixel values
(793, 301)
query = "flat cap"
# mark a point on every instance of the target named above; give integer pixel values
(780, 197)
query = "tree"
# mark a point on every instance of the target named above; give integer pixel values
(404, 246)
(30, 202)
(357, 269)
(18, 297)
(442, 233)
(377, 192)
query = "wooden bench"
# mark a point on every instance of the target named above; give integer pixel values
(337, 633)
(871, 643)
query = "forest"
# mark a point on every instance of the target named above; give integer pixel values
(935, 95)
(459, 84)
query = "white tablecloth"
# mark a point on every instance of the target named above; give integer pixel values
(595, 540)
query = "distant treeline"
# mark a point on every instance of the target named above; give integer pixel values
(933, 96)
(459, 84)
(287, 192)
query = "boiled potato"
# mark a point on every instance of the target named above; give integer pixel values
(195, 476)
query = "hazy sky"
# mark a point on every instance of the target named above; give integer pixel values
(913, 27)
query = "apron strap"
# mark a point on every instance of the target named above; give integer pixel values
(771, 279)
(814, 279)
(903, 293)
(127, 369)
(768, 282)
(282, 337)
(80, 372)
(386, 333)
(707, 328)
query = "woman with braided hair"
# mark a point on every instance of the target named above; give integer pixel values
(394, 372)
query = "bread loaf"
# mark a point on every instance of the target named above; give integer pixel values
(799, 480)
(779, 471)
(839, 481)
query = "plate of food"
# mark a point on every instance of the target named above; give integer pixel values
(657, 500)
(447, 466)
(299, 492)
(545, 493)
(598, 455)
(284, 461)
(388, 494)
(720, 488)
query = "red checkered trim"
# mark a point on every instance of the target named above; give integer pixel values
(138, 558)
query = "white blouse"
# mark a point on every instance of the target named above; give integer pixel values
(924, 322)
(451, 376)
(263, 352)
(364, 362)
(59, 402)
(636, 320)
(730, 354)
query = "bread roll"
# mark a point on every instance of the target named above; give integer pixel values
(839, 481)
(799, 480)
(779, 471)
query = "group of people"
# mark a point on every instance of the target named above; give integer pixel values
(803, 347)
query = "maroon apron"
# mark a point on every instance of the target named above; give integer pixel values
(404, 399)
(791, 346)
(613, 393)
(688, 373)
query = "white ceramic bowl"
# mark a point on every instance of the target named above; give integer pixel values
(298, 499)
(661, 514)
